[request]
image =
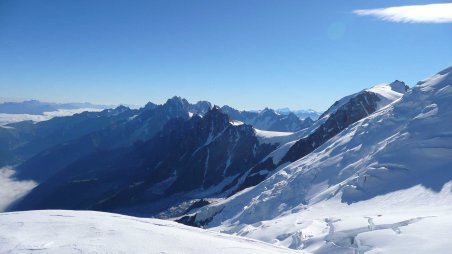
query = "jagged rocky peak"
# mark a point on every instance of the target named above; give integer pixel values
(292, 116)
(227, 107)
(268, 111)
(399, 86)
(150, 105)
(216, 118)
(177, 101)
(118, 110)
(308, 120)
(267, 119)
(200, 107)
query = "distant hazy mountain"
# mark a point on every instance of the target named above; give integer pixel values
(301, 113)
(269, 120)
(35, 107)
(22, 140)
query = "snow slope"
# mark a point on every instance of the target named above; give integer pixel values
(374, 186)
(386, 93)
(60, 231)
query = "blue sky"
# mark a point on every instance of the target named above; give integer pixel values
(248, 54)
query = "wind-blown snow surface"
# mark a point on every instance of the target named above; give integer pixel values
(62, 232)
(383, 184)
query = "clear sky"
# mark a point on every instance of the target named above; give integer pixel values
(248, 54)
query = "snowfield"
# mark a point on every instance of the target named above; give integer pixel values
(60, 232)
(416, 220)
(382, 185)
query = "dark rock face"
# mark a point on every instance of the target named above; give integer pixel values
(354, 110)
(186, 155)
(399, 86)
(269, 120)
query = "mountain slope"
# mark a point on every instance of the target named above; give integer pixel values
(89, 232)
(345, 112)
(22, 140)
(338, 117)
(200, 155)
(392, 168)
(141, 125)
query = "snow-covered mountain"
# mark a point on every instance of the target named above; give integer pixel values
(95, 232)
(383, 184)
(293, 146)
(343, 113)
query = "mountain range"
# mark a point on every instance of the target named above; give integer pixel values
(163, 160)
(369, 174)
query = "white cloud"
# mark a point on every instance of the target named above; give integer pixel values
(11, 189)
(430, 13)
(13, 118)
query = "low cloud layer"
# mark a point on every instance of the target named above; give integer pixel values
(13, 118)
(12, 189)
(429, 13)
